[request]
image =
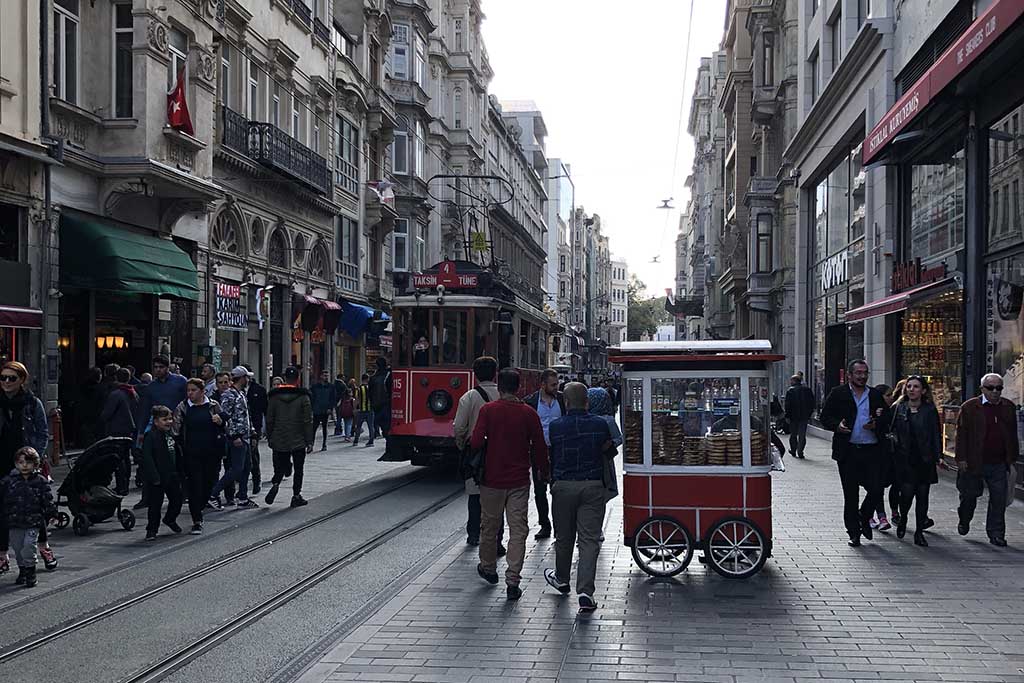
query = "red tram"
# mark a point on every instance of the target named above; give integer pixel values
(456, 312)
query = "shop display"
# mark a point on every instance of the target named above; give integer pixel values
(633, 444)
(932, 345)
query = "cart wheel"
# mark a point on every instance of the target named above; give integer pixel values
(662, 546)
(63, 519)
(127, 519)
(80, 525)
(737, 548)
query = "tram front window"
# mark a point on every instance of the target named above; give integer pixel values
(453, 340)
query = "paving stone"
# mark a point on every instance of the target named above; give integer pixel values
(819, 609)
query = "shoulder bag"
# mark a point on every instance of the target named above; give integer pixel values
(473, 460)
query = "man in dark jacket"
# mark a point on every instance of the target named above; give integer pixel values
(291, 433)
(380, 397)
(550, 405)
(325, 400)
(986, 446)
(340, 391)
(855, 414)
(798, 410)
(578, 444)
(256, 397)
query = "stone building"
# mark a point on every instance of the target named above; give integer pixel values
(619, 299)
(28, 309)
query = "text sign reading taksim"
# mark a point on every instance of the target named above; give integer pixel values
(446, 275)
(978, 38)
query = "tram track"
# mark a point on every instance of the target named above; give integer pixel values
(104, 612)
(197, 648)
(191, 542)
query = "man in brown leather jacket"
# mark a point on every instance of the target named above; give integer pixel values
(986, 446)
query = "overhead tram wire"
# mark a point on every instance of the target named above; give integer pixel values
(679, 121)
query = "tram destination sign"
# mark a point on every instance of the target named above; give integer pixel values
(446, 275)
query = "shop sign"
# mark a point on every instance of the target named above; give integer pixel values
(229, 308)
(833, 271)
(912, 274)
(446, 275)
(385, 341)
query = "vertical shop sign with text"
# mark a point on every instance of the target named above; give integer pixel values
(229, 308)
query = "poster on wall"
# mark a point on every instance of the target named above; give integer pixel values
(229, 308)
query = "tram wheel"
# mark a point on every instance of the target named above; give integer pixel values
(736, 548)
(662, 546)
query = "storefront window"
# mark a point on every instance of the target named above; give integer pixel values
(820, 214)
(937, 208)
(839, 206)
(1005, 178)
(1005, 324)
(932, 345)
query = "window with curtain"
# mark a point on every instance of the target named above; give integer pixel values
(400, 244)
(178, 62)
(346, 149)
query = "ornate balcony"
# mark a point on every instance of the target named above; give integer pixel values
(235, 130)
(322, 31)
(347, 277)
(303, 13)
(275, 149)
(383, 115)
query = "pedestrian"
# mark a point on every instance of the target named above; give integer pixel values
(222, 382)
(118, 418)
(256, 397)
(291, 433)
(108, 383)
(579, 445)
(160, 473)
(238, 430)
(380, 399)
(198, 429)
(918, 447)
(799, 406)
(22, 423)
(340, 390)
(166, 389)
(346, 411)
(484, 370)
(88, 409)
(276, 381)
(986, 447)
(27, 505)
(550, 405)
(854, 412)
(208, 374)
(325, 400)
(132, 379)
(364, 412)
(600, 404)
(512, 434)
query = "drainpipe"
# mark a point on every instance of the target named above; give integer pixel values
(48, 231)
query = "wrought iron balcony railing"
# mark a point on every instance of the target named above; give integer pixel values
(235, 130)
(303, 12)
(272, 147)
(321, 31)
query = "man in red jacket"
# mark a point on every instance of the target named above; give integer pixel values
(512, 434)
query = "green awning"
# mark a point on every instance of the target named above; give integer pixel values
(96, 254)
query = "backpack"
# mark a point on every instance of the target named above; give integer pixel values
(347, 407)
(472, 466)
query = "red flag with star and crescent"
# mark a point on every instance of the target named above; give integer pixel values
(177, 109)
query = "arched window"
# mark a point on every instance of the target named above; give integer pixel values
(318, 267)
(225, 235)
(277, 250)
(300, 249)
(257, 235)
(457, 107)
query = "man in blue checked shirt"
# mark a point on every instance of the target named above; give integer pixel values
(578, 444)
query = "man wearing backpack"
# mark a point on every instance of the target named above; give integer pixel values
(484, 368)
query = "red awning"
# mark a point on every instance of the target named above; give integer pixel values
(898, 302)
(332, 316)
(26, 318)
(979, 37)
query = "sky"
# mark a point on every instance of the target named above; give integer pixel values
(608, 76)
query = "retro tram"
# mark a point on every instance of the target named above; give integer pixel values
(456, 312)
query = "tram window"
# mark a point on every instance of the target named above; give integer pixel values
(402, 344)
(524, 344)
(453, 347)
(420, 338)
(483, 333)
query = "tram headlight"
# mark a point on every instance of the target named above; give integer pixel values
(439, 402)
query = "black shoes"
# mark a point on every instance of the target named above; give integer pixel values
(555, 582)
(545, 532)
(865, 530)
(173, 526)
(854, 542)
(502, 551)
(489, 578)
(901, 528)
(271, 494)
(298, 501)
(197, 530)
(919, 538)
(998, 541)
(963, 528)
(587, 603)
(472, 541)
(141, 505)
(928, 524)
(30, 575)
(20, 581)
(513, 592)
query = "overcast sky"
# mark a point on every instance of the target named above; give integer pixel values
(607, 76)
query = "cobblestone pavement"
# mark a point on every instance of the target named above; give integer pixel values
(819, 610)
(107, 545)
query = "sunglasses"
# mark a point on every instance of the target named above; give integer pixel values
(998, 387)
(9, 378)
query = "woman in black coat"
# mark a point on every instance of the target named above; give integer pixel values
(915, 422)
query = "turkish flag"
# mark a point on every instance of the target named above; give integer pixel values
(177, 108)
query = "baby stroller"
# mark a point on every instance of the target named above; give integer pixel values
(86, 492)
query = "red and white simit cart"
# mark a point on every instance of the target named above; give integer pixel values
(697, 460)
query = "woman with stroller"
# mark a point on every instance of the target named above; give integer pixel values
(915, 421)
(199, 430)
(22, 423)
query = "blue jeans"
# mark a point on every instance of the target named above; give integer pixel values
(363, 416)
(348, 426)
(238, 472)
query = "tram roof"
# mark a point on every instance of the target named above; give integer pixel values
(705, 346)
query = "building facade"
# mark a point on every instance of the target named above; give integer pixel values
(620, 300)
